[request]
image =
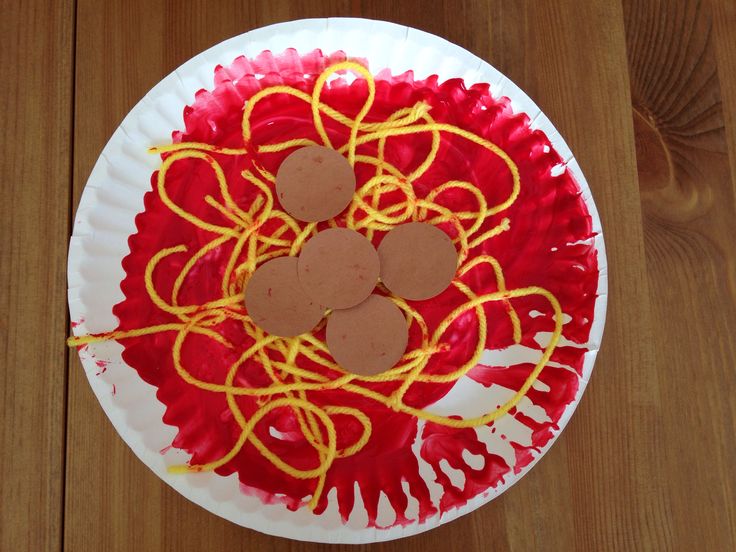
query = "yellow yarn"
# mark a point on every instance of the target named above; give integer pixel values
(287, 379)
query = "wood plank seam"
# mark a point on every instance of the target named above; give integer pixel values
(70, 226)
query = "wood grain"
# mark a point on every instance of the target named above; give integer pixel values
(643, 91)
(36, 87)
(613, 427)
(689, 214)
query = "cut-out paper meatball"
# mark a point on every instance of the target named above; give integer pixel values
(338, 268)
(369, 338)
(418, 261)
(276, 302)
(315, 184)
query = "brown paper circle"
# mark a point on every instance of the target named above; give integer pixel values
(315, 183)
(418, 261)
(276, 302)
(369, 338)
(338, 268)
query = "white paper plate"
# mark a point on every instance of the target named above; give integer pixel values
(114, 195)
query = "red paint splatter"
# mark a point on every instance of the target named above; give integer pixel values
(114, 389)
(443, 443)
(548, 215)
(102, 365)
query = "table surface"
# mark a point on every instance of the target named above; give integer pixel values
(645, 95)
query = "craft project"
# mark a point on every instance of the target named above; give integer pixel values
(440, 320)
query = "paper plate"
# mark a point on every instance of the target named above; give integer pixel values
(106, 219)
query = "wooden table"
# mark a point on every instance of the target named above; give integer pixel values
(644, 93)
